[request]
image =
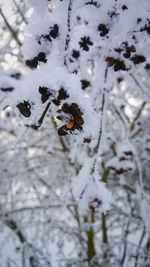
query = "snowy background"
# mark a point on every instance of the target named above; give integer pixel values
(74, 133)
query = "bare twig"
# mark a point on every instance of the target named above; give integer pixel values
(20, 12)
(12, 31)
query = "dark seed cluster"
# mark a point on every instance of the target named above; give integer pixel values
(75, 54)
(62, 95)
(24, 108)
(45, 93)
(146, 28)
(116, 63)
(137, 59)
(103, 29)
(33, 63)
(72, 116)
(7, 89)
(126, 49)
(85, 43)
(124, 7)
(147, 66)
(52, 34)
(85, 84)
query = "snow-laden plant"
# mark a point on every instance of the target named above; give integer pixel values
(76, 51)
(87, 73)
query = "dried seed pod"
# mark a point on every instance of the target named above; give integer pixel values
(73, 118)
(75, 110)
(124, 7)
(85, 84)
(62, 95)
(118, 50)
(56, 102)
(119, 65)
(85, 43)
(32, 63)
(137, 59)
(59, 117)
(87, 140)
(24, 108)
(45, 93)
(131, 49)
(79, 120)
(127, 54)
(103, 29)
(65, 108)
(147, 66)
(42, 57)
(110, 61)
(70, 124)
(75, 54)
(54, 31)
(62, 131)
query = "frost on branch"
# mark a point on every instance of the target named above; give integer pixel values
(75, 52)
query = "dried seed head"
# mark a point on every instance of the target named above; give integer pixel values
(70, 124)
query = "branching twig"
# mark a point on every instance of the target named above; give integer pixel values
(12, 31)
(20, 11)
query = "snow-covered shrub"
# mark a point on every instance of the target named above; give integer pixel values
(87, 69)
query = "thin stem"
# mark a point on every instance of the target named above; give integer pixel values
(90, 238)
(68, 29)
(101, 126)
(12, 31)
(40, 121)
(137, 116)
(140, 242)
(20, 11)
